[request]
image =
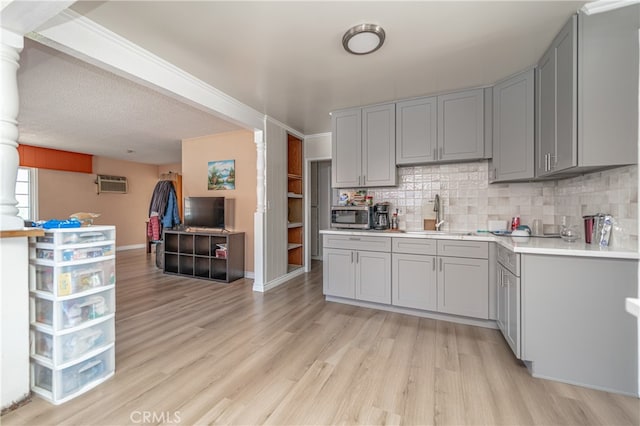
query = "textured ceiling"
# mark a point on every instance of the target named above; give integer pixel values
(284, 59)
(71, 105)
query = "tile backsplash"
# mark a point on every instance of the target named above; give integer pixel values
(469, 201)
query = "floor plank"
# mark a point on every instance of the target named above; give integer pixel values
(190, 351)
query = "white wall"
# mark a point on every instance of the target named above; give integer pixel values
(317, 146)
(14, 302)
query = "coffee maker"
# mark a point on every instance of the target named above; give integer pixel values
(381, 216)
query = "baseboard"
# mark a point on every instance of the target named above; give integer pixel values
(131, 247)
(278, 281)
(416, 312)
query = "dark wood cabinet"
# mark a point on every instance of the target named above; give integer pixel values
(202, 254)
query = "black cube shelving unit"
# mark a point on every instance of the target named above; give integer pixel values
(198, 254)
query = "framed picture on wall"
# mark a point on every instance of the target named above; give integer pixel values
(222, 175)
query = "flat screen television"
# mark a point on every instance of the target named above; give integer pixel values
(204, 212)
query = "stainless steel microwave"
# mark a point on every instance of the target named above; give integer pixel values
(353, 217)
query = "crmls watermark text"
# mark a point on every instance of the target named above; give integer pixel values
(146, 417)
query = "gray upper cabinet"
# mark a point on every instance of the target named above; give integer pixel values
(587, 93)
(557, 143)
(513, 128)
(461, 126)
(378, 145)
(363, 147)
(346, 146)
(416, 131)
(608, 87)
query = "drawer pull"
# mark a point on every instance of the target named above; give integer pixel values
(354, 239)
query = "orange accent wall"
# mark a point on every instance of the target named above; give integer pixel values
(238, 146)
(54, 159)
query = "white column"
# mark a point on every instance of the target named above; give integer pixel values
(10, 46)
(259, 215)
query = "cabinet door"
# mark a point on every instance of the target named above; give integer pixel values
(566, 154)
(339, 273)
(346, 145)
(513, 128)
(512, 332)
(461, 125)
(413, 281)
(463, 286)
(501, 301)
(416, 131)
(557, 103)
(379, 145)
(373, 276)
(546, 97)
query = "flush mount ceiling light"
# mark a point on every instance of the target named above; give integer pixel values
(363, 39)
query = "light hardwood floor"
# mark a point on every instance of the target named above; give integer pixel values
(196, 352)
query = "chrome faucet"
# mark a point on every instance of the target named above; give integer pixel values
(438, 209)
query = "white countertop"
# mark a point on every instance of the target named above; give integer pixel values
(524, 245)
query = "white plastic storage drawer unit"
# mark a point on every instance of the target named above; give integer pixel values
(62, 384)
(71, 345)
(72, 277)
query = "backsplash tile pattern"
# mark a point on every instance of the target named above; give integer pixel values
(469, 200)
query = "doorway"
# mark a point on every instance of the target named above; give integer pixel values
(321, 199)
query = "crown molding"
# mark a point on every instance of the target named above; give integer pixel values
(605, 6)
(84, 39)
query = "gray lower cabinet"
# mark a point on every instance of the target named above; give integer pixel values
(339, 275)
(414, 281)
(373, 270)
(513, 128)
(357, 268)
(508, 298)
(463, 287)
(574, 325)
(357, 274)
(509, 308)
(455, 283)
(461, 126)
(409, 273)
(416, 131)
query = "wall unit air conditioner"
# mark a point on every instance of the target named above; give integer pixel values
(112, 184)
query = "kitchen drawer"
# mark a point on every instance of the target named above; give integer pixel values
(414, 246)
(357, 242)
(67, 347)
(509, 260)
(456, 248)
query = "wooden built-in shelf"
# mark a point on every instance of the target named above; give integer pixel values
(295, 196)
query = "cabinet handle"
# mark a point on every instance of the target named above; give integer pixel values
(364, 179)
(440, 264)
(440, 154)
(351, 257)
(354, 238)
(552, 165)
(433, 263)
(357, 257)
